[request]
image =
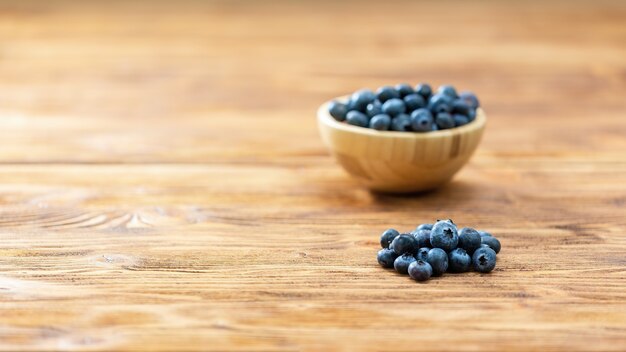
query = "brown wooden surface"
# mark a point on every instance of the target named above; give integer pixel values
(163, 185)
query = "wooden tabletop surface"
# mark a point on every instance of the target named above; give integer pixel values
(163, 185)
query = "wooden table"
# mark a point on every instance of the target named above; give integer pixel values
(163, 185)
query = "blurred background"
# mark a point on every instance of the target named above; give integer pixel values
(190, 81)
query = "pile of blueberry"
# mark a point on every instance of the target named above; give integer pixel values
(404, 108)
(432, 250)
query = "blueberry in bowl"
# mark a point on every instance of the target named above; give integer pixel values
(401, 138)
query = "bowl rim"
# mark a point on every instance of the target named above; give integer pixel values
(324, 117)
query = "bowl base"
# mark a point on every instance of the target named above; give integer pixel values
(385, 176)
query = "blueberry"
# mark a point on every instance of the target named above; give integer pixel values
(484, 260)
(438, 260)
(337, 110)
(491, 242)
(404, 89)
(425, 227)
(422, 237)
(422, 253)
(444, 235)
(443, 120)
(380, 122)
(422, 120)
(394, 107)
(424, 90)
(484, 233)
(420, 270)
(401, 264)
(401, 122)
(470, 99)
(448, 90)
(414, 101)
(460, 107)
(386, 257)
(440, 103)
(459, 261)
(374, 108)
(460, 120)
(350, 105)
(385, 93)
(361, 98)
(443, 108)
(404, 243)
(387, 237)
(471, 115)
(469, 240)
(357, 118)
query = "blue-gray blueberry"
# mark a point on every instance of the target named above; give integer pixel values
(492, 242)
(361, 98)
(404, 89)
(387, 237)
(380, 122)
(438, 260)
(424, 227)
(424, 90)
(469, 240)
(448, 90)
(459, 261)
(470, 98)
(421, 120)
(414, 101)
(423, 237)
(401, 122)
(460, 120)
(440, 103)
(404, 243)
(484, 233)
(471, 115)
(422, 253)
(401, 264)
(374, 108)
(386, 257)
(338, 110)
(460, 107)
(444, 235)
(385, 93)
(443, 120)
(394, 107)
(420, 270)
(357, 118)
(484, 260)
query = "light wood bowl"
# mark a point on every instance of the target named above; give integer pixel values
(400, 162)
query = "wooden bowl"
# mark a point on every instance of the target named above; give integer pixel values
(400, 162)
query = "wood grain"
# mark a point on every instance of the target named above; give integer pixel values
(163, 185)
